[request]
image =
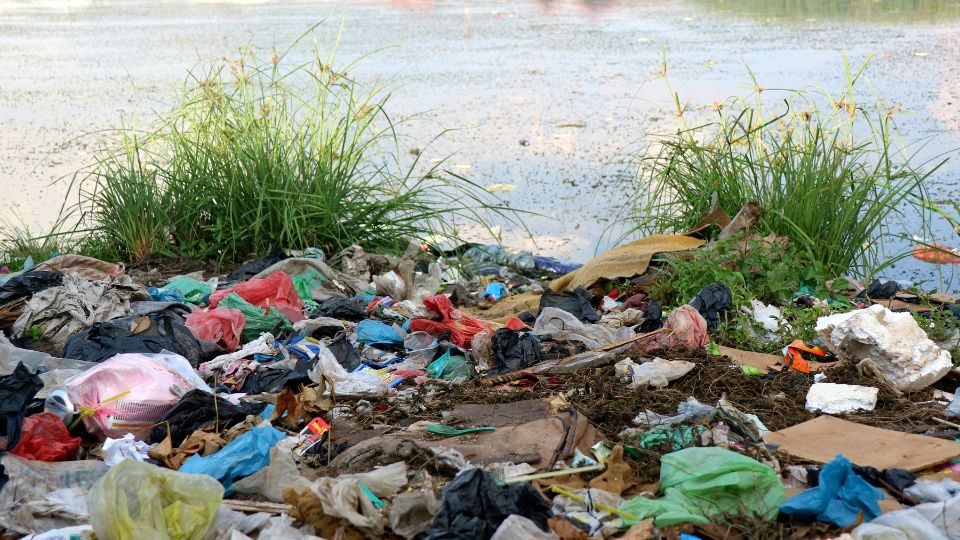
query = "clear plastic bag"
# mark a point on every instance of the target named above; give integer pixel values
(139, 501)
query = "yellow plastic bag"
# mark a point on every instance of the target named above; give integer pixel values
(139, 501)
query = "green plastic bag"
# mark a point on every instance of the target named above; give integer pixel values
(140, 501)
(306, 282)
(258, 321)
(449, 368)
(194, 291)
(699, 483)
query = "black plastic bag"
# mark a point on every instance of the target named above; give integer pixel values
(474, 506)
(274, 380)
(347, 354)
(196, 410)
(16, 391)
(528, 318)
(711, 301)
(342, 308)
(251, 268)
(880, 291)
(652, 317)
(28, 284)
(166, 331)
(576, 303)
(515, 350)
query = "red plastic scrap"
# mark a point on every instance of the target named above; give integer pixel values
(219, 325)
(516, 324)
(275, 291)
(46, 438)
(462, 327)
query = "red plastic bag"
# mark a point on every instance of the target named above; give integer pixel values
(45, 438)
(462, 327)
(219, 325)
(275, 291)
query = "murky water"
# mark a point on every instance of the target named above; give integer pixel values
(540, 94)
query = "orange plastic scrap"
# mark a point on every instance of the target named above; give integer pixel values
(799, 353)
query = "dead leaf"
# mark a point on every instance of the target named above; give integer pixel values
(288, 402)
(618, 477)
(140, 325)
(566, 530)
(640, 531)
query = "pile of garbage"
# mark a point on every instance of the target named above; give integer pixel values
(486, 393)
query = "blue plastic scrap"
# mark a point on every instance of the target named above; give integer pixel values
(372, 332)
(839, 498)
(240, 458)
(166, 295)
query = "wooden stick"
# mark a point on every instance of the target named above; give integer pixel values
(945, 422)
(257, 506)
(551, 474)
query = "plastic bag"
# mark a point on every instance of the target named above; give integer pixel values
(559, 325)
(46, 438)
(158, 331)
(412, 512)
(377, 333)
(657, 372)
(257, 321)
(840, 497)
(130, 392)
(282, 473)
(343, 498)
(450, 368)
(306, 282)
(383, 481)
(16, 391)
(165, 295)
(274, 292)
(515, 350)
(242, 457)
(220, 325)
(193, 291)
(391, 284)
(711, 301)
(462, 327)
(702, 483)
(576, 303)
(139, 501)
(474, 506)
(198, 409)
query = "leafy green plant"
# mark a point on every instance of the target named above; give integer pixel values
(265, 153)
(829, 180)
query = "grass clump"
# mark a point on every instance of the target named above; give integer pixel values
(264, 154)
(831, 181)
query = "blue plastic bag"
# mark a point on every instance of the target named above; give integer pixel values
(373, 332)
(244, 456)
(838, 499)
(166, 295)
(494, 291)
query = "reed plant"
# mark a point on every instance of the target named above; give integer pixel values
(830, 179)
(259, 154)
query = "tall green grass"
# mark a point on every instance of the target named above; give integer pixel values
(259, 154)
(831, 180)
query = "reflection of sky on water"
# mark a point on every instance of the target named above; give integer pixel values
(543, 94)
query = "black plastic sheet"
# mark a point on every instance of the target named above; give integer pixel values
(166, 331)
(576, 303)
(711, 301)
(16, 391)
(197, 410)
(515, 350)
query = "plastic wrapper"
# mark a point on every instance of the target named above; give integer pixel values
(244, 456)
(274, 292)
(46, 438)
(139, 501)
(220, 325)
(450, 368)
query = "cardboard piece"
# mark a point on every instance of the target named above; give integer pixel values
(624, 262)
(821, 439)
(894, 305)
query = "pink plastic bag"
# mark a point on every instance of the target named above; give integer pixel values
(219, 325)
(275, 291)
(129, 393)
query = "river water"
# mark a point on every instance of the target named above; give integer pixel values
(544, 95)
